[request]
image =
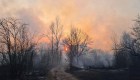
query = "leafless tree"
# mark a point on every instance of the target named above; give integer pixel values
(77, 43)
(17, 47)
(54, 51)
(130, 44)
(115, 43)
(122, 54)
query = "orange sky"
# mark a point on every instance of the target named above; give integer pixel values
(98, 18)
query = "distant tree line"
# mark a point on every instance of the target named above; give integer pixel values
(127, 51)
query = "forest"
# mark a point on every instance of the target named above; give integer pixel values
(71, 57)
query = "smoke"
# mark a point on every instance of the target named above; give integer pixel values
(96, 58)
(97, 18)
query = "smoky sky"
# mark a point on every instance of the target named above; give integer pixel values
(99, 18)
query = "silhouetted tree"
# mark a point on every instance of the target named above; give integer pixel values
(17, 47)
(128, 51)
(77, 43)
(135, 48)
(54, 52)
(123, 56)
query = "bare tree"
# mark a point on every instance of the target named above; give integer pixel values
(115, 43)
(17, 47)
(130, 45)
(122, 53)
(54, 51)
(77, 42)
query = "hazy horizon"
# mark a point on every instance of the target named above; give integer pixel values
(99, 18)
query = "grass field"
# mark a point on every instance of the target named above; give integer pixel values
(105, 74)
(93, 74)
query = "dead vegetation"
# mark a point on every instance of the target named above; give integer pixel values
(59, 73)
